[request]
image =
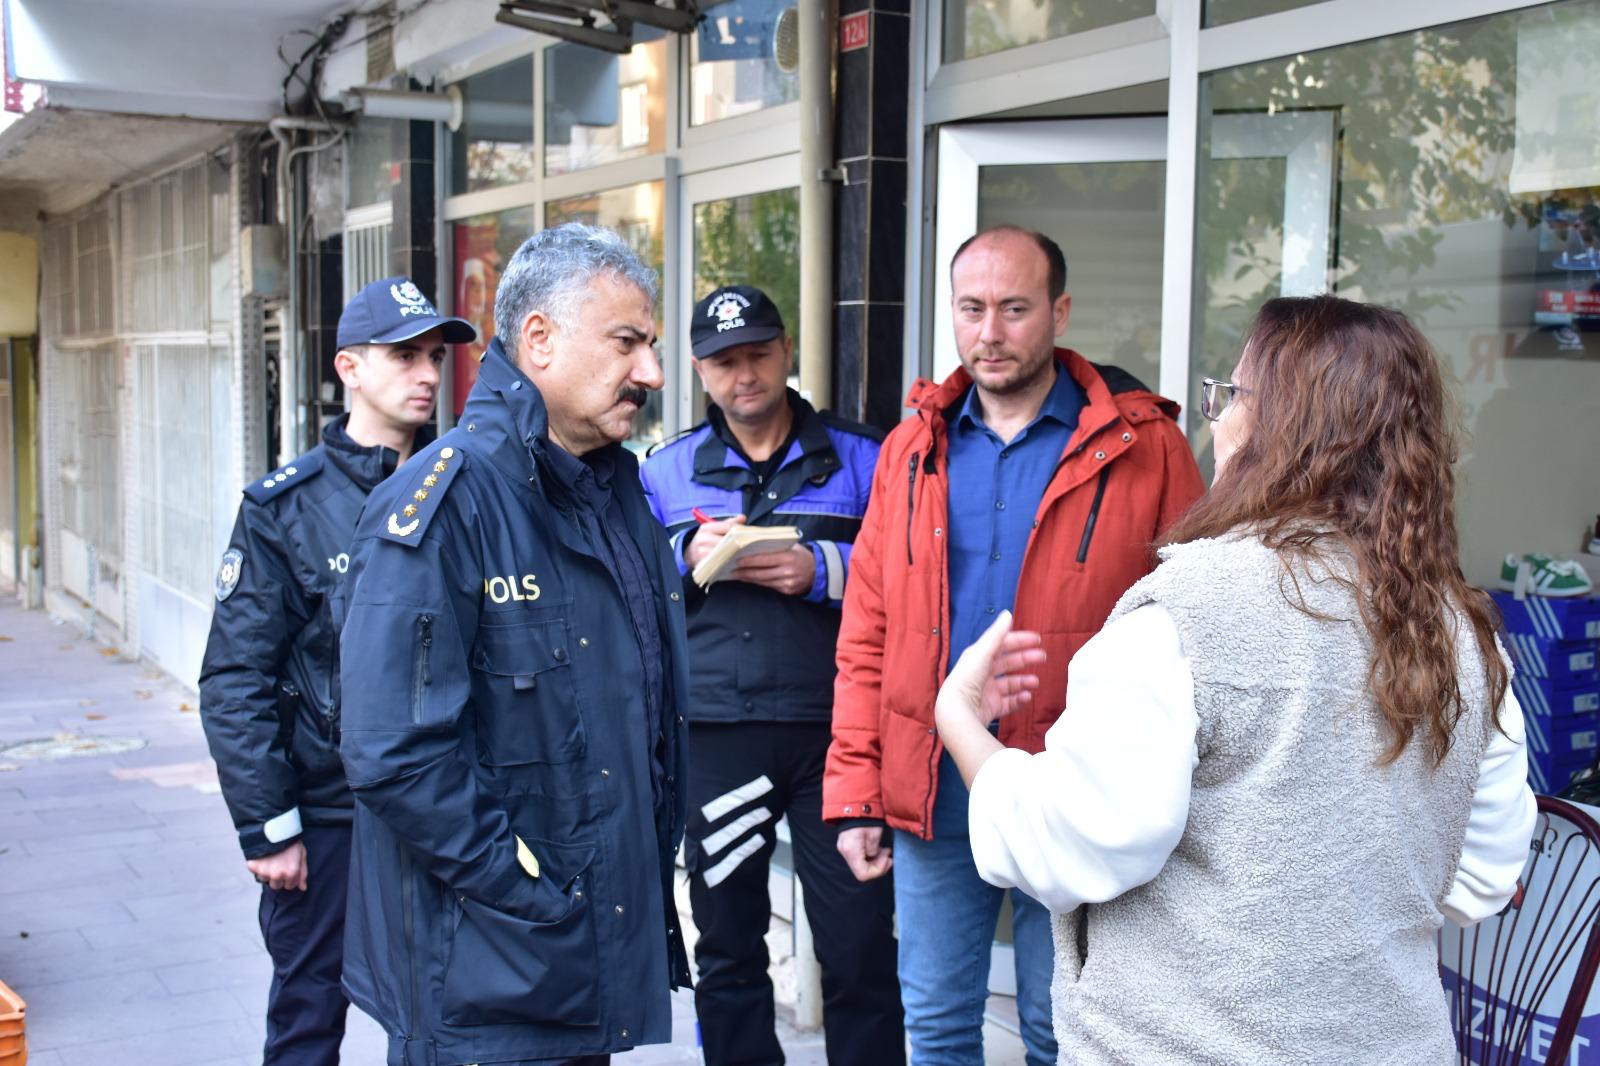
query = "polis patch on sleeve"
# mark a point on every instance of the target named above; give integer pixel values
(228, 573)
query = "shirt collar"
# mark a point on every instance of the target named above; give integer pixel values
(1061, 403)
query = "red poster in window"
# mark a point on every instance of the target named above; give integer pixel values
(477, 276)
(854, 31)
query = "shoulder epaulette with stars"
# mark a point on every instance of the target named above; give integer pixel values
(286, 477)
(411, 511)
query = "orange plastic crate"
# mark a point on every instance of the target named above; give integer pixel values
(13, 1028)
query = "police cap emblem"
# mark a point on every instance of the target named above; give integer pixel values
(228, 573)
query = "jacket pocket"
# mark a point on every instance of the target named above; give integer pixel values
(530, 714)
(506, 969)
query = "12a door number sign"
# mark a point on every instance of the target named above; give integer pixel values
(853, 31)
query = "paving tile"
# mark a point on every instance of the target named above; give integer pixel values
(58, 847)
(84, 1020)
(130, 933)
(250, 973)
(20, 872)
(46, 917)
(188, 1045)
(65, 961)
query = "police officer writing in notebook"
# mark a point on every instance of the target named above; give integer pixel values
(269, 696)
(515, 673)
(761, 701)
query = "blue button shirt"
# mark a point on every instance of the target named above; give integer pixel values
(995, 490)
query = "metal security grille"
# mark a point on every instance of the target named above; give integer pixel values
(366, 246)
(87, 447)
(95, 298)
(164, 253)
(184, 386)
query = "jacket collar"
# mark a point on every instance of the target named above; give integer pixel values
(1109, 394)
(365, 466)
(505, 396)
(811, 458)
(717, 460)
(505, 403)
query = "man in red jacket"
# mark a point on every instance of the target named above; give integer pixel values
(1030, 480)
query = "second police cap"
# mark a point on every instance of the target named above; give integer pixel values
(393, 310)
(733, 314)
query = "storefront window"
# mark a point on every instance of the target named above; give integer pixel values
(494, 145)
(483, 246)
(1222, 12)
(1453, 173)
(599, 107)
(370, 162)
(1108, 220)
(638, 214)
(975, 28)
(745, 57)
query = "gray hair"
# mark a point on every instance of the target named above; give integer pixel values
(551, 273)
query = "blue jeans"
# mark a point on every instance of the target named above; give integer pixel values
(947, 921)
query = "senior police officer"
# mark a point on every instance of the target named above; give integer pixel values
(269, 696)
(761, 696)
(515, 666)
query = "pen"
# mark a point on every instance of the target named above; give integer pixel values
(700, 516)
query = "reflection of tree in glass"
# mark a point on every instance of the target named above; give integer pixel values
(983, 27)
(1426, 133)
(491, 164)
(752, 240)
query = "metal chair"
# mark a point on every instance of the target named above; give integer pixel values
(1509, 965)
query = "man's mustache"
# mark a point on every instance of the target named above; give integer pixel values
(633, 394)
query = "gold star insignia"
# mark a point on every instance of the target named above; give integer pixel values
(439, 467)
(420, 495)
(410, 510)
(431, 480)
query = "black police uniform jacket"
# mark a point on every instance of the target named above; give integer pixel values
(758, 654)
(494, 699)
(269, 696)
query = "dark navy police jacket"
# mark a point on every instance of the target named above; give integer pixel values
(761, 655)
(269, 695)
(494, 700)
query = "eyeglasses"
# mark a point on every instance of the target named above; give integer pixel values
(1215, 396)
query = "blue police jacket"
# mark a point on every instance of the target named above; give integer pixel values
(760, 655)
(518, 805)
(269, 696)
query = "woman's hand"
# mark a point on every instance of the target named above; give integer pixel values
(993, 678)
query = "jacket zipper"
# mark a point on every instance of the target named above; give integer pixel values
(911, 500)
(406, 916)
(1094, 515)
(423, 676)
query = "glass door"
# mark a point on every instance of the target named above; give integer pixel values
(1098, 188)
(743, 228)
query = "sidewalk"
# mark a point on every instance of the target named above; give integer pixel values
(127, 919)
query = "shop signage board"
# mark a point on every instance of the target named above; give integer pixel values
(1489, 1019)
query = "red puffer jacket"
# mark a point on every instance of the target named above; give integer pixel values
(1125, 475)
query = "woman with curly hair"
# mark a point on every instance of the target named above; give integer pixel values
(1290, 754)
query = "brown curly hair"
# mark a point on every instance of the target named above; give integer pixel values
(1352, 446)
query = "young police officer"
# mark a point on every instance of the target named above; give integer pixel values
(269, 695)
(762, 648)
